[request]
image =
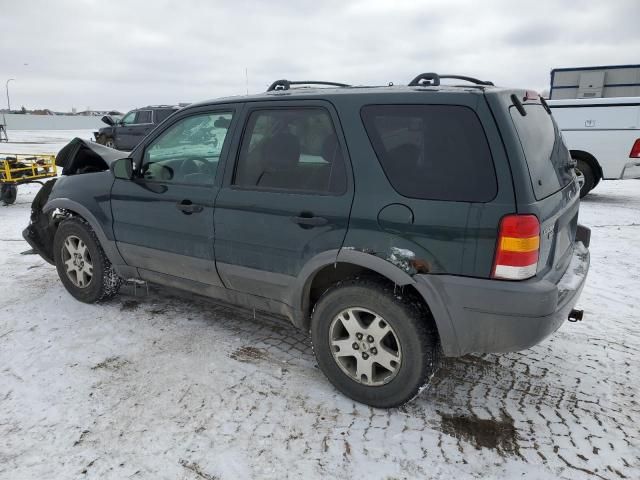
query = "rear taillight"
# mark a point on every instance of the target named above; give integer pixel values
(635, 150)
(517, 248)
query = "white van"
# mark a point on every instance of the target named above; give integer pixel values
(603, 135)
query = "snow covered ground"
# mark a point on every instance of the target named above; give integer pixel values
(157, 384)
(41, 141)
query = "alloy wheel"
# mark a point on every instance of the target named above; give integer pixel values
(77, 261)
(365, 346)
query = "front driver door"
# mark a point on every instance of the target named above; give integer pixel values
(163, 218)
(124, 132)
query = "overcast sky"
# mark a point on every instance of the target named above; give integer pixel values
(123, 54)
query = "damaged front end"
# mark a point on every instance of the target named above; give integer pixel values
(77, 157)
(39, 233)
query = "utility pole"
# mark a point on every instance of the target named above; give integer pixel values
(6, 86)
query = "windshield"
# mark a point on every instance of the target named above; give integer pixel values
(547, 156)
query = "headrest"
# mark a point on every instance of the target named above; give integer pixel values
(280, 152)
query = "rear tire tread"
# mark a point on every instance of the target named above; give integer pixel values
(416, 317)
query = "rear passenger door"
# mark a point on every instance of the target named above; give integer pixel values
(286, 199)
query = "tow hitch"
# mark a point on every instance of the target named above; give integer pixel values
(576, 315)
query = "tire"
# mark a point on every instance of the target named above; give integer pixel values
(75, 248)
(378, 308)
(106, 141)
(584, 169)
(9, 194)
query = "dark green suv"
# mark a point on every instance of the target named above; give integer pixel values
(395, 223)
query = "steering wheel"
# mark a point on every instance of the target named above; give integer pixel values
(192, 165)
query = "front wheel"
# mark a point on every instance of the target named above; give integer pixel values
(375, 345)
(106, 141)
(82, 265)
(8, 193)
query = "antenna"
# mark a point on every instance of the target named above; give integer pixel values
(246, 78)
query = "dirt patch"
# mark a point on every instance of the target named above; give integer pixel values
(496, 434)
(197, 470)
(111, 363)
(129, 305)
(249, 354)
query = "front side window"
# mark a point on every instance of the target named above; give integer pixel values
(129, 118)
(293, 150)
(434, 152)
(189, 151)
(143, 116)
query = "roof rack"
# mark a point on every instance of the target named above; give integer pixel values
(433, 80)
(158, 106)
(286, 84)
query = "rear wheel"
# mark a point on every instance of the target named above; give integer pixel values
(82, 265)
(9, 193)
(586, 176)
(376, 346)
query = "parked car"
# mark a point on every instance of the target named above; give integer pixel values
(603, 135)
(127, 132)
(396, 224)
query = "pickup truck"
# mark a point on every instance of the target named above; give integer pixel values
(603, 136)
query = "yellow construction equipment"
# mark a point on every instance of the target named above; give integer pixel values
(19, 168)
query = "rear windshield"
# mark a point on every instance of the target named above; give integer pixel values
(435, 152)
(547, 157)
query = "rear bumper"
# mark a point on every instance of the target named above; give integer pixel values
(479, 315)
(631, 170)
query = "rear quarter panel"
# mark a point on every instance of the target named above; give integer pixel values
(443, 236)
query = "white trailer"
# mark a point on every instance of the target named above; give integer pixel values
(595, 82)
(603, 135)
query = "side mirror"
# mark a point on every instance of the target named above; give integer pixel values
(108, 120)
(122, 168)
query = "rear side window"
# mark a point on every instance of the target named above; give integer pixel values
(547, 157)
(435, 152)
(143, 116)
(293, 150)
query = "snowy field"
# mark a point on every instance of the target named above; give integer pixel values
(41, 141)
(161, 385)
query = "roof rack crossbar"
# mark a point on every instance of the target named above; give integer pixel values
(433, 80)
(286, 84)
(426, 79)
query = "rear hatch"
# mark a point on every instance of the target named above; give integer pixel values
(554, 184)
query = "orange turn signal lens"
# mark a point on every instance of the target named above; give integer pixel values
(511, 244)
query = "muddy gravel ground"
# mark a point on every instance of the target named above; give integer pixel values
(155, 384)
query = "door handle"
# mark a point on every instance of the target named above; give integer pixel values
(187, 207)
(309, 221)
